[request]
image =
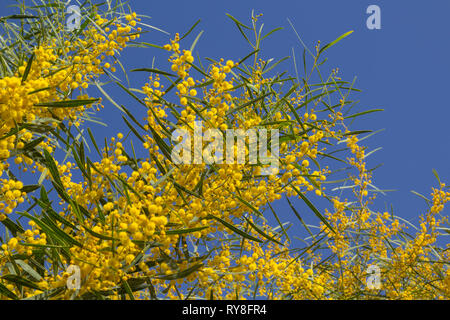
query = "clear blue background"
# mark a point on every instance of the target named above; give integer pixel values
(402, 68)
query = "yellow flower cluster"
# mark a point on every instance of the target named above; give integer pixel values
(12, 196)
(52, 71)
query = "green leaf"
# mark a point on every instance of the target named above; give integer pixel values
(45, 205)
(299, 217)
(421, 195)
(51, 166)
(275, 64)
(195, 41)
(234, 229)
(331, 157)
(271, 31)
(12, 226)
(152, 45)
(30, 188)
(257, 229)
(279, 222)
(130, 93)
(5, 292)
(19, 16)
(237, 21)
(127, 289)
(154, 71)
(27, 69)
(18, 280)
(335, 41)
(249, 205)
(93, 141)
(185, 231)
(165, 149)
(351, 133)
(182, 188)
(248, 56)
(108, 97)
(51, 229)
(67, 103)
(133, 129)
(34, 143)
(190, 30)
(437, 176)
(362, 113)
(28, 269)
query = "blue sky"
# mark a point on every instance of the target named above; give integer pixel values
(401, 68)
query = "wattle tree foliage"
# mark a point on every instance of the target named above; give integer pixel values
(134, 224)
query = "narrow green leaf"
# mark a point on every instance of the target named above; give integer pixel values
(185, 231)
(249, 205)
(108, 97)
(313, 208)
(130, 93)
(436, 175)
(18, 280)
(51, 166)
(133, 129)
(237, 21)
(27, 69)
(271, 31)
(190, 30)
(12, 226)
(279, 222)
(265, 235)
(299, 217)
(363, 113)
(234, 229)
(335, 41)
(28, 269)
(51, 229)
(67, 103)
(248, 56)
(195, 41)
(19, 16)
(30, 188)
(93, 141)
(7, 293)
(128, 290)
(351, 133)
(34, 143)
(154, 71)
(421, 195)
(275, 64)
